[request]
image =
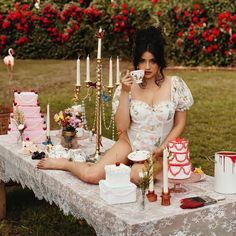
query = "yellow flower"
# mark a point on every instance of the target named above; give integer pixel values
(61, 115)
(56, 118)
(198, 170)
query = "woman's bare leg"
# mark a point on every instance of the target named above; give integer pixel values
(87, 172)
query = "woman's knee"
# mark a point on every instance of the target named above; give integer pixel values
(93, 176)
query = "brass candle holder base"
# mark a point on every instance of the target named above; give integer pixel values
(48, 141)
(151, 196)
(165, 198)
(77, 93)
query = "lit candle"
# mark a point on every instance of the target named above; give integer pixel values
(117, 71)
(48, 120)
(88, 69)
(110, 73)
(99, 45)
(151, 181)
(78, 73)
(165, 170)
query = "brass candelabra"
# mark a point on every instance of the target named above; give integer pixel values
(99, 87)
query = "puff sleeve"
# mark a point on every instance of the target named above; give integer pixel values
(182, 96)
(116, 99)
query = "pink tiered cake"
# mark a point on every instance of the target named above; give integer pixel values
(27, 103)
(179, 161)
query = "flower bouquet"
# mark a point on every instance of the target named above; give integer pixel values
(69, 120)
(19, 119)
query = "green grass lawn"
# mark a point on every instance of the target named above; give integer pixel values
(210, 127)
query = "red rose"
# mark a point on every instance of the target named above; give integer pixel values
(210, 38)
(6, 24)
(209, 49)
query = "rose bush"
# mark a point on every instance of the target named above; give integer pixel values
(198, 33)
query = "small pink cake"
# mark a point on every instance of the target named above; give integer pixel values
(35, 136)
(179, 162)
(25, 98)
(36, 123)
(29, 111)
(35, 127)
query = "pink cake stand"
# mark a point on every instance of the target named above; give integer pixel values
(178, 183)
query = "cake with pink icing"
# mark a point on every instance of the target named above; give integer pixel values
(35, 127)
(179, 161)
(25, 98)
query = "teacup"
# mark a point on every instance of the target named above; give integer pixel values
(137, 76)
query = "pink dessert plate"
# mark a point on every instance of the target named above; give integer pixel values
(178, 187)
(194, 177)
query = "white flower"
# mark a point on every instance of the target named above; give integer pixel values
(21, 127)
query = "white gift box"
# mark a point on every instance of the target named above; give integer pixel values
(225, 172)
(116, 195)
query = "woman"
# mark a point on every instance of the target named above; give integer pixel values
(147, 115)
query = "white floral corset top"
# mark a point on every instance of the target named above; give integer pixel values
(150, 125)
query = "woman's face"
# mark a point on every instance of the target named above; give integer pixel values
(149, 65)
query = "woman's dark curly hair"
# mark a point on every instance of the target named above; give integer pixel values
(151, 40)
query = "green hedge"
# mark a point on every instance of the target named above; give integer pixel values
(197, 32)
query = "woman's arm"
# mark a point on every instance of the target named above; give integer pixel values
(177, 130)
(122, 116)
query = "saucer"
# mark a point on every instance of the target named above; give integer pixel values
(138, 156)
(194, 177)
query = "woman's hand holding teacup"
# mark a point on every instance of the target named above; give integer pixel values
(126, 82)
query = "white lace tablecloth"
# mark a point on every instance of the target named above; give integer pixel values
(82, 200)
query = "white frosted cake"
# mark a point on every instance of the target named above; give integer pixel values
(117, 188)
(117, 176)
(179, 162)
(225, 172)
(34, 124)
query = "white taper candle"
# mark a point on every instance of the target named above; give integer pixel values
(117, 71)
(110, 73)
(88, 69)
(165, 170)
(48, 120)
(99, 45)
(78, 73)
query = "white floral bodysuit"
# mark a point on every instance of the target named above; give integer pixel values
(150, 125)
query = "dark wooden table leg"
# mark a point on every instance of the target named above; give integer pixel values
(2, 200)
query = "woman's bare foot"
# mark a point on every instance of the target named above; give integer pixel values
(52, 163)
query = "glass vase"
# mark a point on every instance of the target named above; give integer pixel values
(68, 139)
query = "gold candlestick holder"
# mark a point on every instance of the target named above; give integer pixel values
(110, 89)
(100, 94)
(77, 93)
(98, 110)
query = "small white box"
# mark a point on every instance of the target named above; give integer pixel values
(116, 195)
